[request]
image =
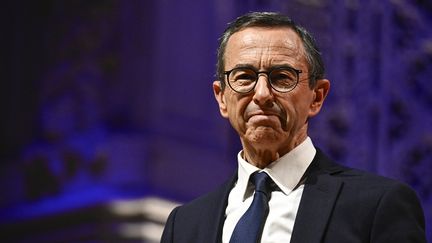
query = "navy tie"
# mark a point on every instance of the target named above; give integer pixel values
(249, 227)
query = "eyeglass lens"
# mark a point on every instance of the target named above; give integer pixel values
(244, 79)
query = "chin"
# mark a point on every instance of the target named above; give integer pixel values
(263, 135)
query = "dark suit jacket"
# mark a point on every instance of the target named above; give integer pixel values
(338, 205)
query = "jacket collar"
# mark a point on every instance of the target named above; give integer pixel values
(319, 196)
(318, 199)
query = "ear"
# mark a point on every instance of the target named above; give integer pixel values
(320, 90)
(220, 98)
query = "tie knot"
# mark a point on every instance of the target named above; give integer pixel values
(262, 182)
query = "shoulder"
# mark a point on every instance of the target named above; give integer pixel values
(388, 201)
(391, 207)
(357, 184)
(364, 180)
(352, 176)
(208, 203)
(213, 196)
(190, 222)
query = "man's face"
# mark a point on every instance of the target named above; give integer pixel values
(264, 118)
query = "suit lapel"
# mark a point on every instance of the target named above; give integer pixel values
(318, 199)
(217, 219)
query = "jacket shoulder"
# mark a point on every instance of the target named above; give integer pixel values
(211, 199)
(200, 219)
(353, 176)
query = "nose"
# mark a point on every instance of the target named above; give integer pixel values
(263, 95)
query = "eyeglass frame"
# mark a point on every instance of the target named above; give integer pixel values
(267, 73)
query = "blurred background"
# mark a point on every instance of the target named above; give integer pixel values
(108, 118)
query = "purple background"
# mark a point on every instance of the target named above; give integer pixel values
(103, 99)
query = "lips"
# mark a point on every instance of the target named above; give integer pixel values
(260, 118)
(261, 114)
(264, 115)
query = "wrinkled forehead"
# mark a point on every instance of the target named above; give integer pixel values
(271, 43)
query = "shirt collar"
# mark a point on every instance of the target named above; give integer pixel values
(286, 172)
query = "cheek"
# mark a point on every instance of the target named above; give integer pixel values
(290, 115)
(236, 109)
(296, 113)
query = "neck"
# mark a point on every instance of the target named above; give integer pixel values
(260, 158)
(263, 157)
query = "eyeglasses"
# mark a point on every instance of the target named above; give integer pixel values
(281, 79)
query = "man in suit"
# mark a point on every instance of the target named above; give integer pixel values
(270, 82)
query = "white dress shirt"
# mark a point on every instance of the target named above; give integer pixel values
(286, 172)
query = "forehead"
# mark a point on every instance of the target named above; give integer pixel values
(264, 46)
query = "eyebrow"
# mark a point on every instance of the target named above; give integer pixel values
(245, 66)
(255, 69)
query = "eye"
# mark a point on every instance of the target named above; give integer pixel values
(283, 79)
(283, 75)
(242, 76)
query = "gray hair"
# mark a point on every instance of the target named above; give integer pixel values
(271, 19)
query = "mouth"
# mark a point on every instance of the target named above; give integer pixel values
(263, 118)
(261, 114)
